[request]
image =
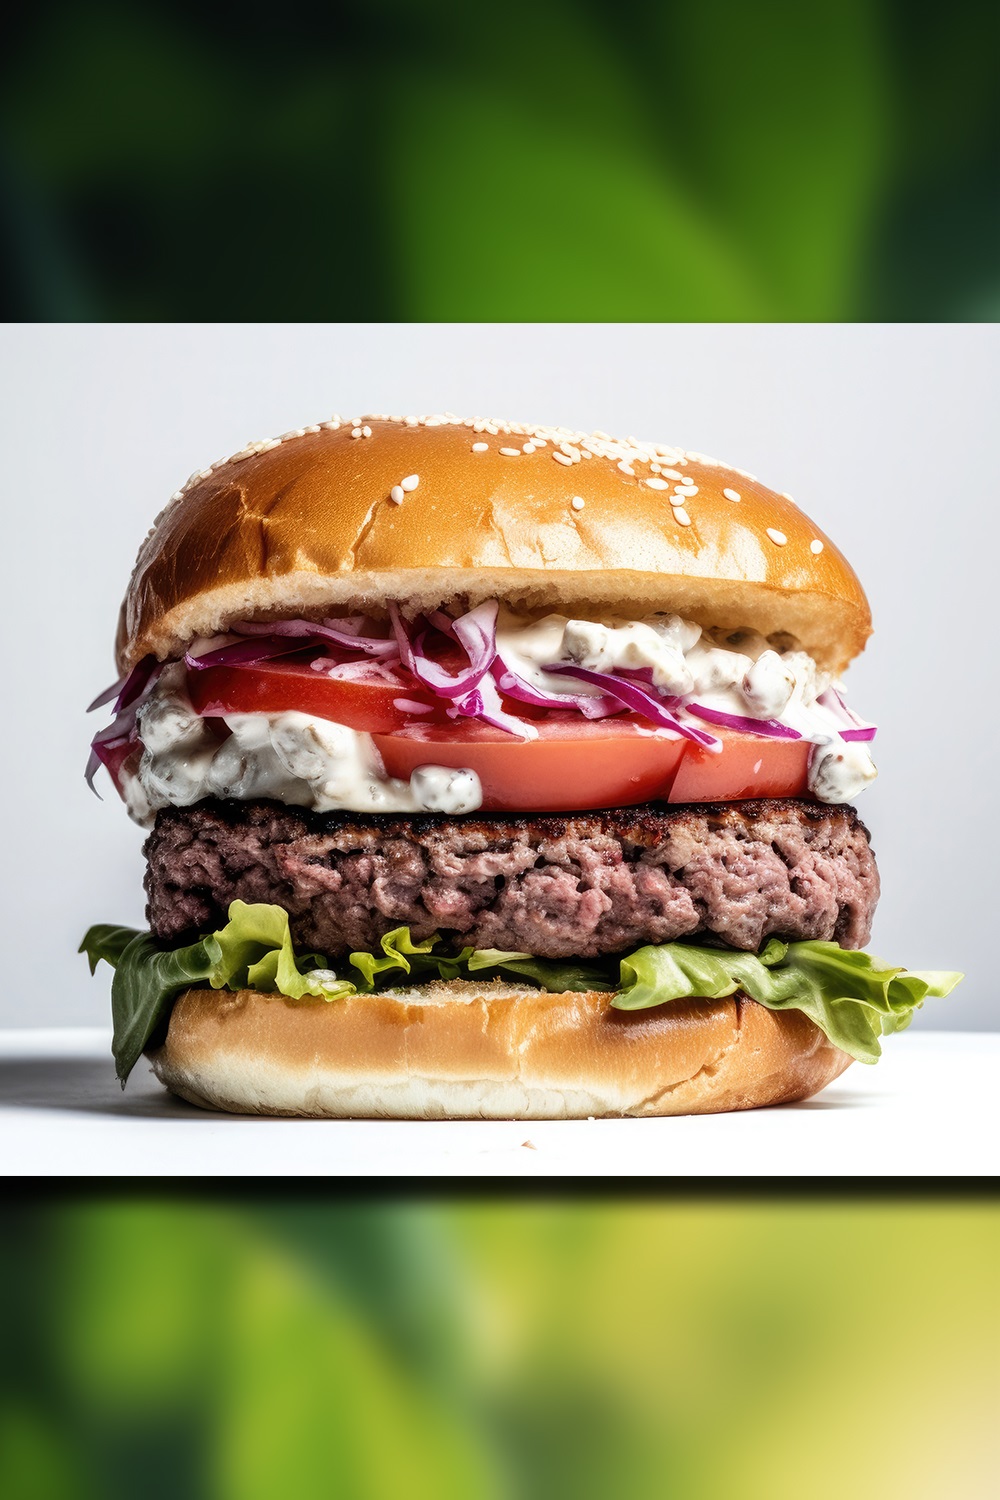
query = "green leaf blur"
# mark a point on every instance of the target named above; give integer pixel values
(484, 1352)
(623, 159)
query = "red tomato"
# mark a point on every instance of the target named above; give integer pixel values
(748, 766)
(571, 766)
(274, 687)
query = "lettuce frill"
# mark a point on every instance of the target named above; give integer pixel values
(854, 998)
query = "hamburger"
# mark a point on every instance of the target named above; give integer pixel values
(492, 770)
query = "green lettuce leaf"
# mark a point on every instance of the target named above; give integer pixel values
(556, 975)
(253, 951)
(147, 981)
(107, 942)
(398, 948)
(854, 998)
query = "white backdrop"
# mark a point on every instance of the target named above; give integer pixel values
(883, 433)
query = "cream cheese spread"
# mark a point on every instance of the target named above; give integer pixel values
(290, 757)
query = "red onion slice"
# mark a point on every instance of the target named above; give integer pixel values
(484, 704)
(767, 728)
(442, 622)
(106, 752)
(133, 685)
(309, 630)
(122, 729)
(641, 702)
(242, 654)
(401, 632)
(854, 727)
(475, 632)
(591, 706)
(114, 691)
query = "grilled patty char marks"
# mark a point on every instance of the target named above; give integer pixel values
(558, 886)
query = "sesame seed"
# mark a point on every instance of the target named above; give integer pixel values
(686, 489)
(568, 446)
(397, 494)
(786, 496)
(658, 484)
(577, 502)
(480, 447)
(676, 501)
(731, 494)
(177, 495)
(816, 546)
(511, 452)
(778, 537)
(681, 515)
(410, 482)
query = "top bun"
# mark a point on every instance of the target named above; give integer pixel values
(309, 524)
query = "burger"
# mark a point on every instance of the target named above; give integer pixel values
(492, 770)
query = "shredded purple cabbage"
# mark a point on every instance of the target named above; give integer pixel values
(768, 728)
(348, 639)
(641, 702)
(854, 727)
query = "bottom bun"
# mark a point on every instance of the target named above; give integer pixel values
(459, 1050)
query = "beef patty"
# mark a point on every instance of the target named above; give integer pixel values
(558, 886)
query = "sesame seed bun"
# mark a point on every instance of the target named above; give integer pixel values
(424, 511)
(462, 1050)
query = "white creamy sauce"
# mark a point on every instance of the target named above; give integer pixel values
(840, 770)
(290, 757)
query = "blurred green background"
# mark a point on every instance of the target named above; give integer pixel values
(461, 1350)
(605, 159)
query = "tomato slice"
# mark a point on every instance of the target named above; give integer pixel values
(749, 765)
(572, 765)
(367, 702)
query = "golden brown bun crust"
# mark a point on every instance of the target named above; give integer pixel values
(308, 527)
(487, 1051)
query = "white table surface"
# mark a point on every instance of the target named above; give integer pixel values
(931, 1107)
